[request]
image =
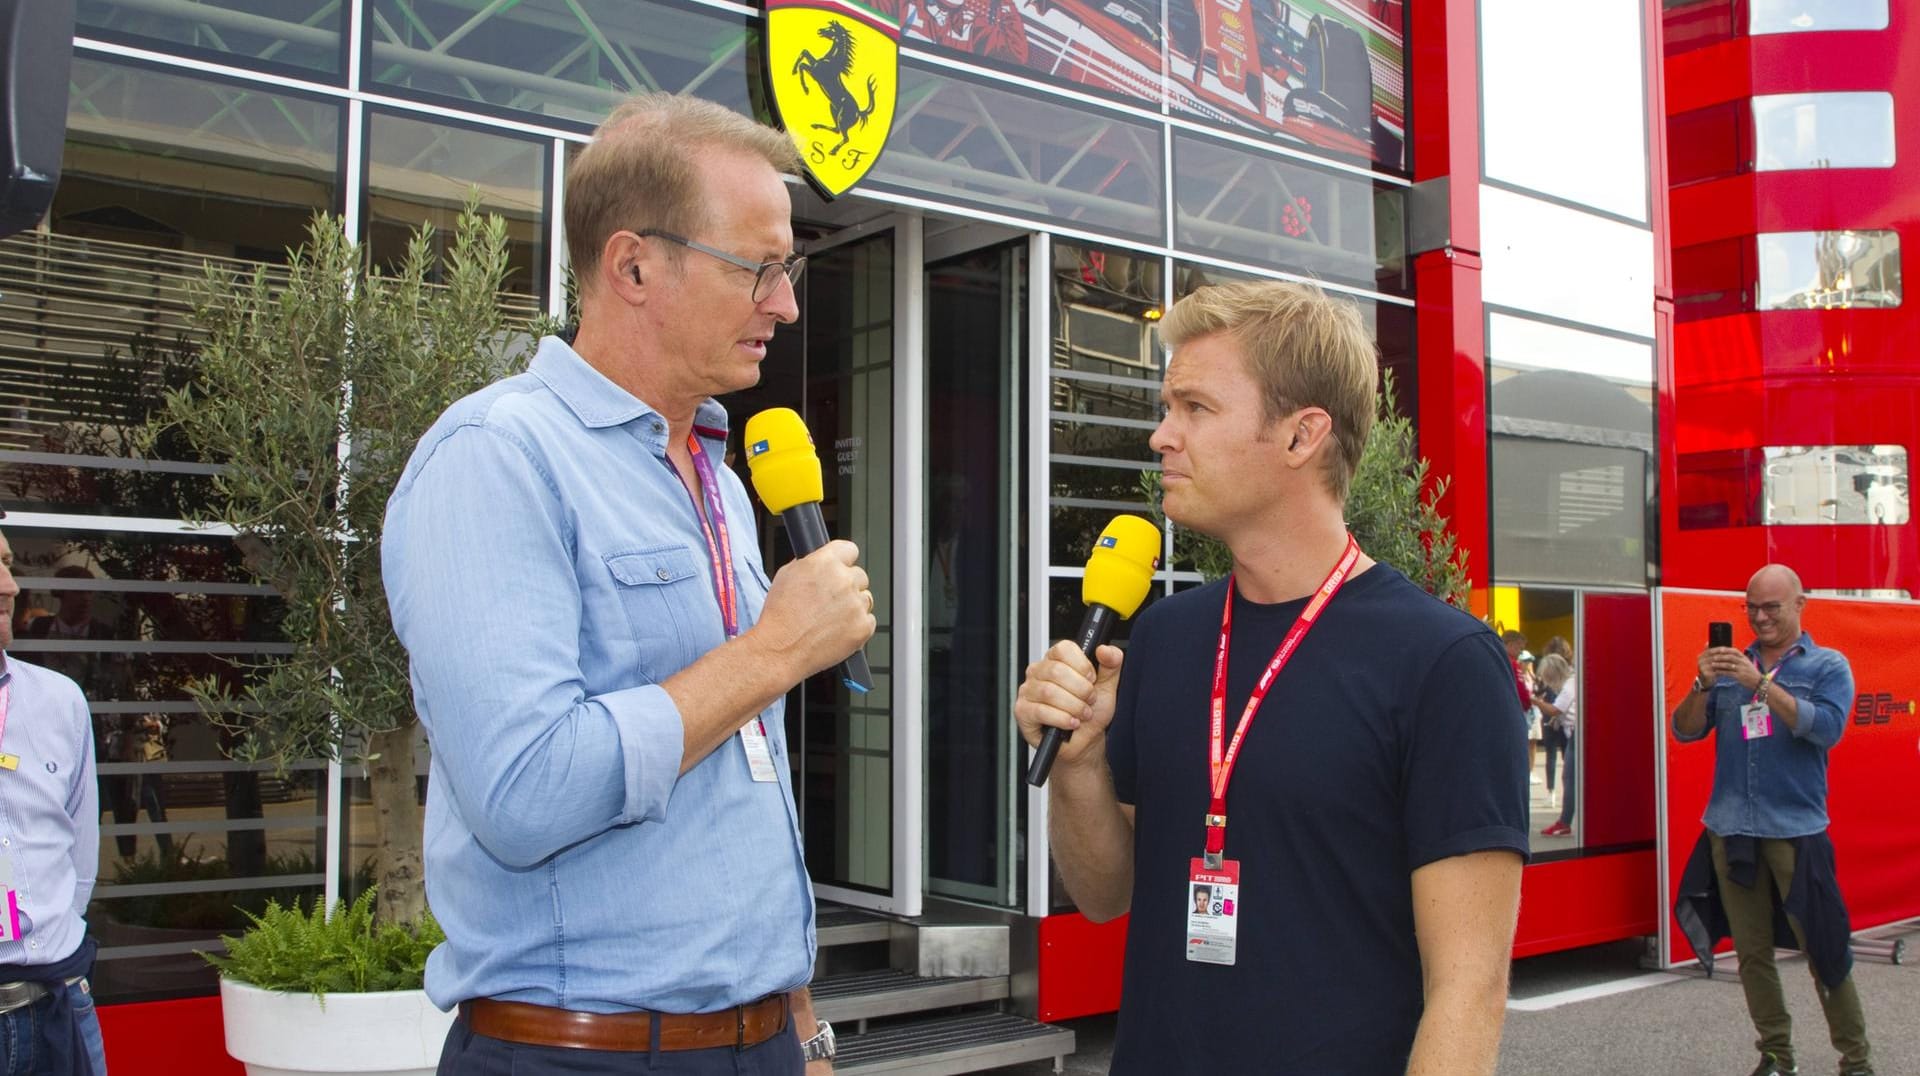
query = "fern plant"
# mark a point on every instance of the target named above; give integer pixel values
(296, 950)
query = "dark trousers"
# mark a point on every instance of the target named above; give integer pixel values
(468, 1054)
(129, 795)
(1750, 916)
(1555, 742)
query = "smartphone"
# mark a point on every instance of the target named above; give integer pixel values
(1719, 633)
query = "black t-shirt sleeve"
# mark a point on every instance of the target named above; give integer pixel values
(1466, 763)
(1122, 755)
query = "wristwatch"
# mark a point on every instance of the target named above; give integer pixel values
(821, 1047)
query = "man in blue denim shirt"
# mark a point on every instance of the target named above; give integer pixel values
(1776, 708)
(598, 655)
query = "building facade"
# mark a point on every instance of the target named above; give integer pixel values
(976, 355)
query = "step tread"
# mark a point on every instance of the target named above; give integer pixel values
(849, 926)
(991, 1039)
(890, 992)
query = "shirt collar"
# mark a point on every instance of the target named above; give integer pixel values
(1804, 645)
(598, 403)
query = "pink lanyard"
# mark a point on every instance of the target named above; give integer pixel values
(719, 546)
(1766, 678)
(1223, 763)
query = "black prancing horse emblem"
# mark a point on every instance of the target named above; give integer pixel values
(831, 71)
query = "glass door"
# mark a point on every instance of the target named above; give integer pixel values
(975, 354)
(836, 367)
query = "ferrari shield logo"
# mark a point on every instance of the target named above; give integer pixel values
(834, 68)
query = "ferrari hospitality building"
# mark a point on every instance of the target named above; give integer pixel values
(1021, 189)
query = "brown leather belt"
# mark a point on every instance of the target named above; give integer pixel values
(542, 1025)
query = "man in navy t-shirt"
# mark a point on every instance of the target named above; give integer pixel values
(1337, 758)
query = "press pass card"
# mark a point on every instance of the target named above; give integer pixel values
(1213, 911)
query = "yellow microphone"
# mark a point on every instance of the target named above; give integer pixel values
(1119, 573)
(786, 474)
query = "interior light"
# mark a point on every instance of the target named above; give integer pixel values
(1153, 313)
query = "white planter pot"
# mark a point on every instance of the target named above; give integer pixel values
(393, 1033)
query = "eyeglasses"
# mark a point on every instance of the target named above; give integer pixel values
(766, 275)
(1772, 609)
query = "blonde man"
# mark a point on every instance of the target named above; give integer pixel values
(1365, 842)
(597, 645)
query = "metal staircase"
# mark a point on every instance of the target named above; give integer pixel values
(924, 997)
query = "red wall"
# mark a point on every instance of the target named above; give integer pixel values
(167, 1038)
(1870, 774)
(1787, 377)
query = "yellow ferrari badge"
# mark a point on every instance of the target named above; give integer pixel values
(834, 70)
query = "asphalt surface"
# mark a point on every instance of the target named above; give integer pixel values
(1561, 1019)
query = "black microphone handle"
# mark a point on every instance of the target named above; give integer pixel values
(1095, 629)
(806, 532)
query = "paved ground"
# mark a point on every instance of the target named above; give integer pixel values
(1561, 1019)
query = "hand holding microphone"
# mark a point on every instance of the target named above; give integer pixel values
(1067, 682)
(823, 576)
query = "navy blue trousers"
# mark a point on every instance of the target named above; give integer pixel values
(468, 1054)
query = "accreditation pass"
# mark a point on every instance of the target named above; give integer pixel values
(1213, 911)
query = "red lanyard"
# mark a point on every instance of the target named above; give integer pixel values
(719, 546)
(1223, 763)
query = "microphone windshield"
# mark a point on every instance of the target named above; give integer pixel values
(780, 457)
(1121, 568)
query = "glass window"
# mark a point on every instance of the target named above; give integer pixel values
(1278, 212)
(163, 174)
(304, 35)
(1330, 75)
(1709, 143)
(560, 60)
(188, 838)
(1714, 279)
(1104, 393)
(1804, 16)
(1692, 24)
(1823, 130)
(1392, 326)
(1014, 152)
(1829, 270)
(1829, 484)
(424, 172)
(1572, 454)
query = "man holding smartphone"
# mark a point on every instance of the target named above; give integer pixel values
(1776, 708)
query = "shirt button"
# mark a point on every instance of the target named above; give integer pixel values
(658, 428)
(661, 575)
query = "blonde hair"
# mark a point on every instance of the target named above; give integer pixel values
(640, 171)
(1303, 347)
(1553, 671)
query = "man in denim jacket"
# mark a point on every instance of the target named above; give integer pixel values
(1776, 708)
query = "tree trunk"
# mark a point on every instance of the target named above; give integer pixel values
(396, 827)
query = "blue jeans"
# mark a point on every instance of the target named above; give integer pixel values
(1555, 743)
(20, 1035)
(1568, 776)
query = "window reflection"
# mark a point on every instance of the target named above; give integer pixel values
(302, 34)
(1835, 484)
(1104, 396)
(1823, 130)
(1010, 151)
(1829, 270)
(1572, 453)
(1542, 627)
(1804, 16)
(1280, 212)
(566, 60)
(424, 172)
(136, 619)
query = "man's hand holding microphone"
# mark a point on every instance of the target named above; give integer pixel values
(1064, 690)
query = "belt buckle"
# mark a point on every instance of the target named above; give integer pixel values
(739, 1028)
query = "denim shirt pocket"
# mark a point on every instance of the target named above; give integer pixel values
(660, 592)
